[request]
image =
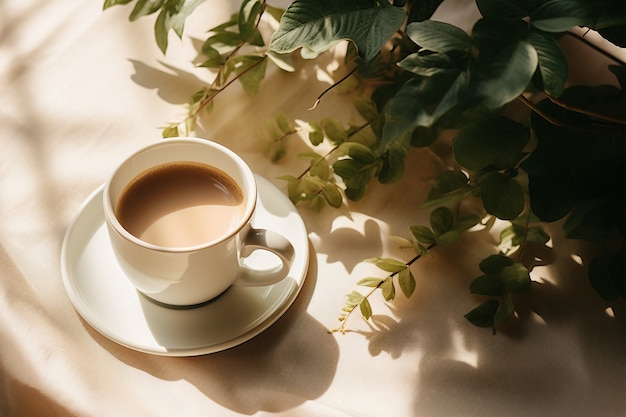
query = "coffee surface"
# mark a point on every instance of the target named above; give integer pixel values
(181, 204)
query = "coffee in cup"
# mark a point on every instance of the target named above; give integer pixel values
(178, 214)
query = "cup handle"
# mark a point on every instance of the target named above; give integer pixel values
(262, 239)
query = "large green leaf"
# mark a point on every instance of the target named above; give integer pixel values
(317, 25)
(506, 75)
(561, 15)
(502, 196)
(438, 36)
(494, 143)
(421, 102)
(552, 62)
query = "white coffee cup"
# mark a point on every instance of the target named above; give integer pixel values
(193, 273)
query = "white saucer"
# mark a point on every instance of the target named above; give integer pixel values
(106, 300)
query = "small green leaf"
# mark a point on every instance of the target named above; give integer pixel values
(388, 264)
(406, 280)
(370, 282)
(505, 309)
(516, 277)
(494, 264)
(283, 122)
(366, 108)
(449, 187)
(332, 194)
(334, 130)
(537, 235)
(502, 196)
(466, 222)
(423, 234)
(366, 309)
(144, 8)
(170, 132)
(484, 314)
(249, 13)
(513, 235)
(388, 289)
(109, 3)
(447, 238)
(441, 220)
(488, 284)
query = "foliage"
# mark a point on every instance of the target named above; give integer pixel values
(419, 76)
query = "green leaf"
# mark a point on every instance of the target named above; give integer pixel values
(466, 222)
(249, 14)
(144, 8)
(502, 196)
(109, 3)
(438, 36)
(484, 314)
(423, 234)
(388, 289)
(388, 264)
(488, 284)
(317, 25)
(552, 63)
(170, 132)
(513, 235)
(505, 309)
(370, 282)
(537, 235)
(561, 15)
(516, 277)
(494, 264)
(448, 238)
(172, 17)
(441, 220)
(506, 75)
(493, 142)
(392, 164)
(449, 187)
(366, 309)
(422, 102)
(253, 73)
(427, 64)
(366, 108)
(334, 130)
(332, 195)
(283, 122)
(406, 280)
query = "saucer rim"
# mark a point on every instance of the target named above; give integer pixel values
(272, 312)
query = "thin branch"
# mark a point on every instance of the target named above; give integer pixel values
(319, 98)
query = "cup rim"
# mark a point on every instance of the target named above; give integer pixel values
(250, 196)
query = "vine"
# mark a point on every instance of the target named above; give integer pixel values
(417, 76)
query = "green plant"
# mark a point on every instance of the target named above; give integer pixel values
(416, 76)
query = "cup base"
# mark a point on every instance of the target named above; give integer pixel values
(183, 306)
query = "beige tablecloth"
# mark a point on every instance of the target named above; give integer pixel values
(81, 88)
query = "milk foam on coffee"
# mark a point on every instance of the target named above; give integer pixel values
(181, 204)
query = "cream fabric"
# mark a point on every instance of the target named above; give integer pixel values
(81, 88)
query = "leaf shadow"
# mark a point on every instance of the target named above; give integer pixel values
(566, 340)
